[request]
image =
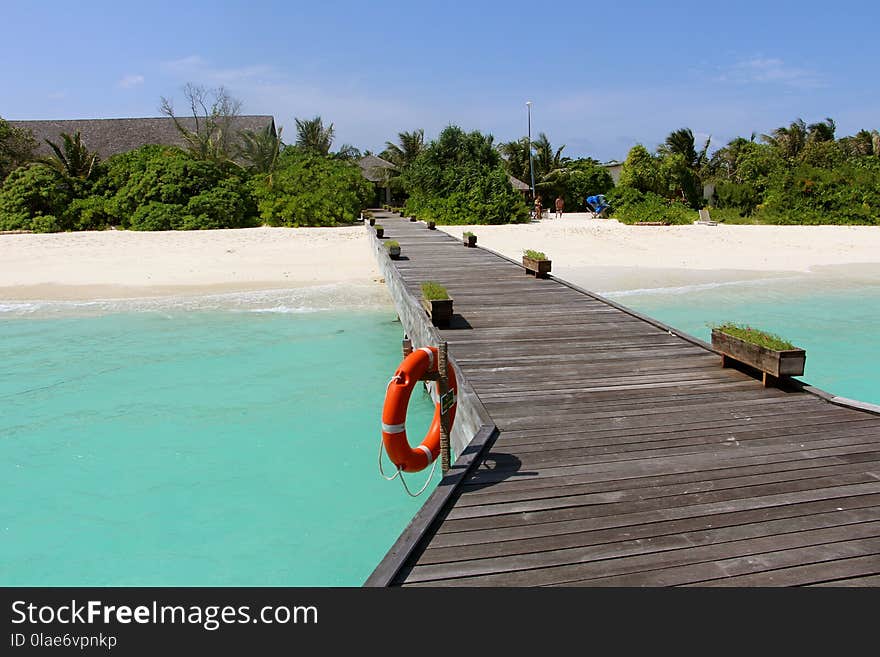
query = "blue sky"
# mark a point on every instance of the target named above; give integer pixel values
(602, 75)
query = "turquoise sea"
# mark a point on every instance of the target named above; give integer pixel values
(232, 440)
(835, 319)
(221, 441)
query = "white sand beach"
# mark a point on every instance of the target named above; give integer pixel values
(600, 254)
(604, 255)
(119, 264)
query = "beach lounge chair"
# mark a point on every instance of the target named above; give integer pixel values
(704, 219)
(598, 205)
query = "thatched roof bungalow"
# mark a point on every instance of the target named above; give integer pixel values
(111, 136)
(376, 170)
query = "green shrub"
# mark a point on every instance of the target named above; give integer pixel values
(743, 197)
(630, 206)
(849, 194)
(459, 179)
(89, 213)
(45, 224)
(227, 205)
(432, 291)
(391, 243)
(730, 216)
(311, 190)
(534, 255)
(30, 192)
(159, 216)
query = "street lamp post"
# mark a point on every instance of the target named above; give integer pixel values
(531, 165)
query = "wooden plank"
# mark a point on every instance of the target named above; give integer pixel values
(669, 560)
(655, 486)
(685, 533)
(572, 519)
(801, 575)
(872, 580)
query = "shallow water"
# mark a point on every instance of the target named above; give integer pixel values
(835, 319)
(185, 445)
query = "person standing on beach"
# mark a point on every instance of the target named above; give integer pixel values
(538, 209)
(560, 205)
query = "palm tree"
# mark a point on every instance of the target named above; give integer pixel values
(348, 152)
(683, 142)
(822, 131)
(789, 141)
(545, 158)
(515, 155)
(312, 136)
(409, 145)
(260, 149)
(725, 160)
(72, 159)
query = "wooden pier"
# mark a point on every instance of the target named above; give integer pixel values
(625, 454)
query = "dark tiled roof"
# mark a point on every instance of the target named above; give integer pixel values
(111, 136)
(372, 166)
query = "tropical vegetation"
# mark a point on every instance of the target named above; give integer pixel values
(796, 174)
(219, 179)
(800, 173)
(459, 179)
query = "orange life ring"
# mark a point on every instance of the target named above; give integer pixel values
(411, 370)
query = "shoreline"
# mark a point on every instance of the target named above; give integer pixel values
(598, 254)
(104, 265)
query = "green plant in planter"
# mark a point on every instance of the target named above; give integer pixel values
(467, 234)
(379, 227)
(432, 291)
(754, 336)
(393, 247)
(534, 255)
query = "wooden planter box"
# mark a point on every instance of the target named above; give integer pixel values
(536, 267)
(412, 218)
(439, 310)
(394, 252)
(372, 221)
(432, 225)
(770, 362)
(470, 240)
(380, 232)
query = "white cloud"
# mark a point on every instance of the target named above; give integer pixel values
(770, 70)
(130, 80)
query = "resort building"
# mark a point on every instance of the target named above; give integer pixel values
(614, 168)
